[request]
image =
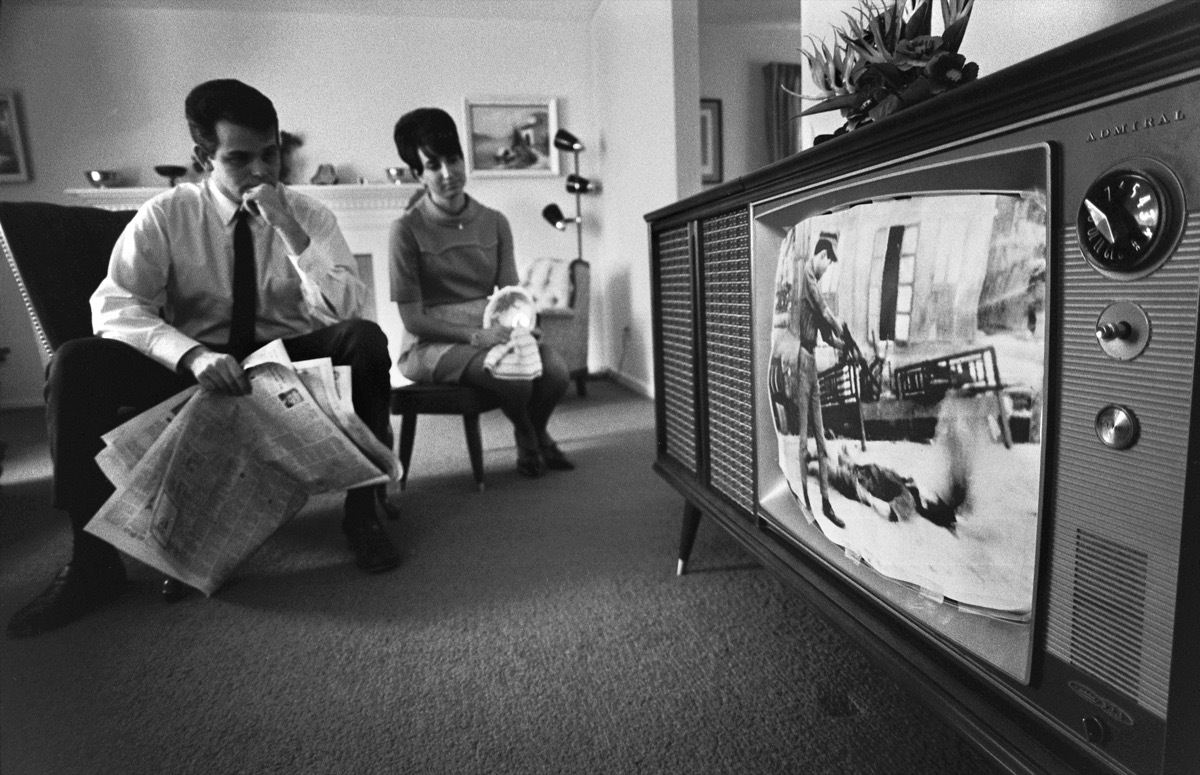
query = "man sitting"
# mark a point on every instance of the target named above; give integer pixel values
(203, 275)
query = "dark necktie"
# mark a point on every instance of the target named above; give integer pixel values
(245, 288)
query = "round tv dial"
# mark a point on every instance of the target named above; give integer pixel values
(1130, 219)
(1117, 427)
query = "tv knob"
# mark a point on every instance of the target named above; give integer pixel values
(1123, 330)
(1118, 330)
(1116, 427)
(1094, 730)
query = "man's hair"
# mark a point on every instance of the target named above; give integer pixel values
(826, 241)
(229, 100)
(429, 129)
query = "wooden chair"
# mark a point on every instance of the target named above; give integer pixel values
(414, 400)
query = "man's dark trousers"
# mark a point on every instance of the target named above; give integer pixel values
(95, 384)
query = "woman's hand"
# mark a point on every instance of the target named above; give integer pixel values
(490, 337)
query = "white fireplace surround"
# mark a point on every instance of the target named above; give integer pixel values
(365, 213)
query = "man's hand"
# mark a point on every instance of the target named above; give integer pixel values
(217, 372)
(835, 339)
(267, 200)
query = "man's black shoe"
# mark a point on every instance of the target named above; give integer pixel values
(555, 459)
(373, 550)
(827, 510)
(77, 590)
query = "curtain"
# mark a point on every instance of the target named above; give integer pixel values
(783, 110)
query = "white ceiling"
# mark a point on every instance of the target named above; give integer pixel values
(711, 11)
(465, 9)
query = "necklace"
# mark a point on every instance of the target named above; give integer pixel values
(450, 213)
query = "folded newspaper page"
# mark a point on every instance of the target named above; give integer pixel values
(204, 478)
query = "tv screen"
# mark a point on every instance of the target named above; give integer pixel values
(901, 320)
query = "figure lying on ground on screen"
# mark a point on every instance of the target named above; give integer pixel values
(891, 494)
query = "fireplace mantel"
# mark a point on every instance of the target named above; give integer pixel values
(358, 199)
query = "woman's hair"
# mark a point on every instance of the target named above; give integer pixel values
(429, 129)
(227, 100)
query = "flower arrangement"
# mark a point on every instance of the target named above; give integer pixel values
(886, 59)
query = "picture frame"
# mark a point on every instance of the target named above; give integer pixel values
(14, 167)
(511, 136)
(711, 151)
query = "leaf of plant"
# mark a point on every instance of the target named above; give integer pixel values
(834, 103)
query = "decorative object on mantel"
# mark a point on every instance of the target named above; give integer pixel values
(13, 168)
(288, 143)
(576, 184)
(886, 59)
(102, 178)
(326, 175)
(399, 175)
(172, 172)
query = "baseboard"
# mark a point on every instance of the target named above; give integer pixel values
(638, 386)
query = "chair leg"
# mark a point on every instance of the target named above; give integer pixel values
(581, 384)
(474, 447)
(408, 432)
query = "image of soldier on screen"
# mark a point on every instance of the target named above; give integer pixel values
(905, 376)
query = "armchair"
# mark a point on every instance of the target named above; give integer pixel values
(561, 288)
(58, 255)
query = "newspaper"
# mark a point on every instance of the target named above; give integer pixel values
(204, 478)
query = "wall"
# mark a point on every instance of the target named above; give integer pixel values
(102, 87)
(731, 62)
(649, 158)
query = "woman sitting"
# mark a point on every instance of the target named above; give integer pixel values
(448, 254)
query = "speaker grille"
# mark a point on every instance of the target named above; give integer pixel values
(1109, 605)
(1116, 522)
(678, 328)
(725, 269)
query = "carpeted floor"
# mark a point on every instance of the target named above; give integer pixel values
(535, 628)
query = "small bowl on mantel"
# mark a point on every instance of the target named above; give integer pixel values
(102, 178)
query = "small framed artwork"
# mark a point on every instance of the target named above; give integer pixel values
(13, 167)
(711, 164)
(509, 136)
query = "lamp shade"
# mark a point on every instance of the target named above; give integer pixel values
(565, 141)
(554, 216)
(577, 184)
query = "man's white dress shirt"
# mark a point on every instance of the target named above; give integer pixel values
(170, 279)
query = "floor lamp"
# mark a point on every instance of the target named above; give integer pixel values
(576, 184)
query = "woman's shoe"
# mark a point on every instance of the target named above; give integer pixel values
(530, 463)
(555, 459)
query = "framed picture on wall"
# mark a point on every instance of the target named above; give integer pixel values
(13, 167)
(508, 136)
(711, 163)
